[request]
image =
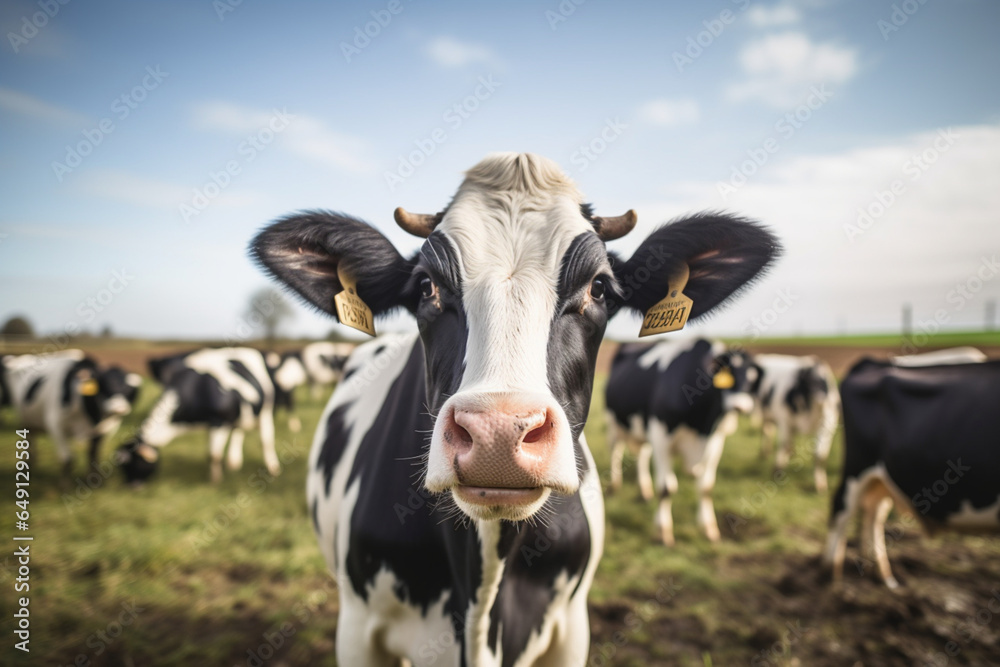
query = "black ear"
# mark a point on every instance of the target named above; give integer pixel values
(303, 251)
(725, 253)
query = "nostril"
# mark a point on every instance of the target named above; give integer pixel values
(536, 434)
(461, 436)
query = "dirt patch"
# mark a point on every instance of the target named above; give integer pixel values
(946, 613)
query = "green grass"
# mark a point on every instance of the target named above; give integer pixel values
(214, 570)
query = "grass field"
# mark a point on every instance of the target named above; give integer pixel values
(181, 572)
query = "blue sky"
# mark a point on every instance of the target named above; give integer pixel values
(900, 119)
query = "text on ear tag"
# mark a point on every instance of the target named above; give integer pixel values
(351, 310)
(88, 387)
(723, 379)
(672, 312)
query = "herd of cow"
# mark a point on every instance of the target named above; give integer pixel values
(480, 414)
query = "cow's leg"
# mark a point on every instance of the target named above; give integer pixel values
(666, 480)
(64, 447)
(824, 440)
(767, 433)
(571, 645)
(836, 541)
(234, 455)
(217, 437)
(294, 423)
(706, 481)
(267, 440)
(645, 480)
(95, 449)
(616, 445)
(358, 643)
(784, 442)
(876, 504)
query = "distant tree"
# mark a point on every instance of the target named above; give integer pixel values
(106, 331)
(268, 309)
(17, 326)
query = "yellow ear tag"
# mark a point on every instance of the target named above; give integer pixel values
(672, 312)
(351, 310)
(88, 387)
(723, 379)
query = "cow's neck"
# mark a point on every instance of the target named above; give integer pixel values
(478, 624)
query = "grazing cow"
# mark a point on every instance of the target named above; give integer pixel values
(324, 364)
(69, 396)
(924, 438)
(451, 489)
(797, 396)
(287, 373)
(682, 398)
(228, 390)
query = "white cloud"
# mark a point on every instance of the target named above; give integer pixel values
(781, 67)
(27, 105)
(780, 14)
(449, 52)
(930, 237)
(670, 112)
(305, 136)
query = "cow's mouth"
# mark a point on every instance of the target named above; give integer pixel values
(498, 496)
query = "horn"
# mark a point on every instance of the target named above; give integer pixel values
(418, 224)
(610, 229)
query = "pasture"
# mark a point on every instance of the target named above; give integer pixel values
(180, 572)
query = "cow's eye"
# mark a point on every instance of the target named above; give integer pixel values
(597, 288)
(426, 287)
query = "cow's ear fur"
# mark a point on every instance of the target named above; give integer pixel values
(304, 251)
(724, 253)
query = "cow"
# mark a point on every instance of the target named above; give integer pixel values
(162, 369)
(675, 399)
(287, 373)
(450, 486)
(324, 364)
(69, 396)
(228, 390)
(797, 396)
(923, 438)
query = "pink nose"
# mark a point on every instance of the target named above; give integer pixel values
(507, 446)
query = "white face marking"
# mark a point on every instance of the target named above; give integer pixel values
(511, 228)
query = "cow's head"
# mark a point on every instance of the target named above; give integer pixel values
(736, 374)
(512, 291)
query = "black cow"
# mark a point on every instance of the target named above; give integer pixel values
(676, 399)
(228, 390)
(923, 437)
(452, 492)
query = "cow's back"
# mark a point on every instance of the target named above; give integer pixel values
(926, 425)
